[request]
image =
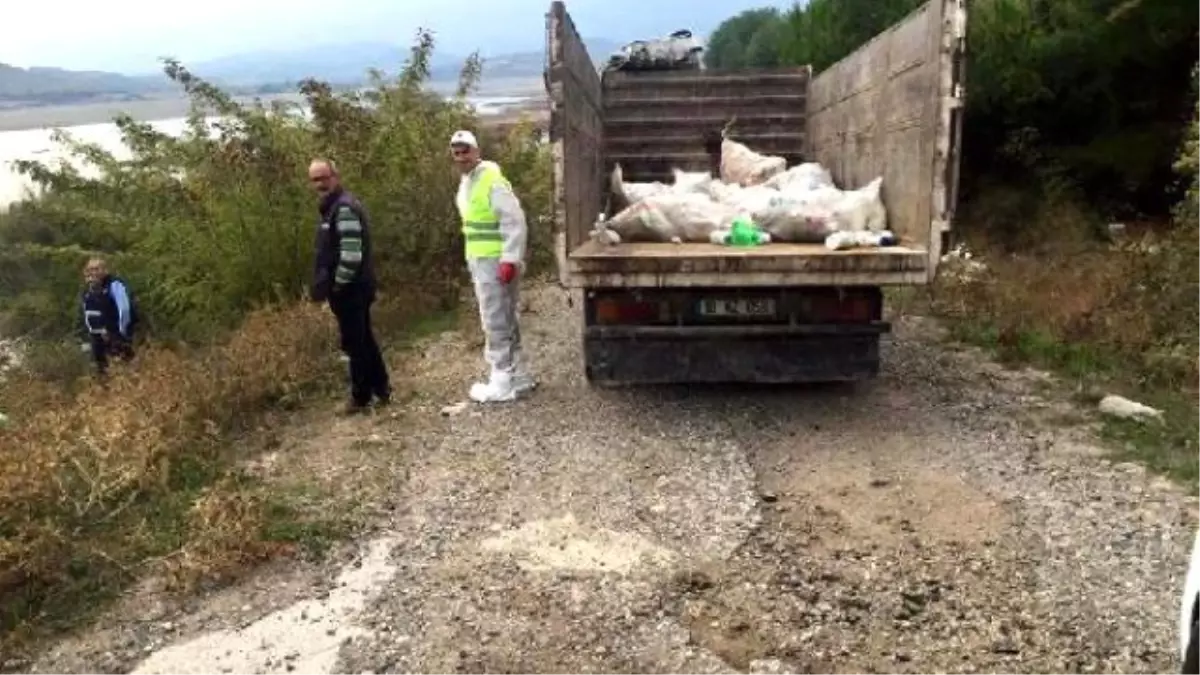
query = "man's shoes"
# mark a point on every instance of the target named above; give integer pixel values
(523, 383)
(498, 389)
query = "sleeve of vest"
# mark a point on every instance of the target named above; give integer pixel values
(350, 248)
(513, 230)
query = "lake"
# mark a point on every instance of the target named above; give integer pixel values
(36, 143)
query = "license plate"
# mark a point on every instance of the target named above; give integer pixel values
(738, 307)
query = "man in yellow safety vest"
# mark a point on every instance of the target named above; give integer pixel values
(494, 230)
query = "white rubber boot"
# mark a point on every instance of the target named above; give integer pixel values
(499, 388)
(523, 382)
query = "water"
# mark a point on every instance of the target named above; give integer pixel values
(36, 144)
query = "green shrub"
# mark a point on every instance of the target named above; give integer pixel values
(220, 220)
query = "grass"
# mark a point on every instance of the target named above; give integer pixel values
(1106, 317)
(1169, 448)
(100, 487)
(213, 230)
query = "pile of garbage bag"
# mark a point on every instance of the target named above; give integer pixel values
(799, 204)
(678, 51)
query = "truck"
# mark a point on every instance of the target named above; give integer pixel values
(672, 313)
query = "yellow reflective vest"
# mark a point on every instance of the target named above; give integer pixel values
(481, 225)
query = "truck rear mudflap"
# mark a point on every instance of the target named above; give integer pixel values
(732, 354)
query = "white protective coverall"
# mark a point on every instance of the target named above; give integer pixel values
(499, 303)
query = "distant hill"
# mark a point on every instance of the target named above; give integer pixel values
(56, 85)
(259, 72)
(31, 87)
(348, 63)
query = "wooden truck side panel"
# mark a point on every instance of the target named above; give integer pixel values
(576, 132)
(892, 108)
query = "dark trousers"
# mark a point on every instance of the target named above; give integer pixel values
(105, 345)
(368, 373)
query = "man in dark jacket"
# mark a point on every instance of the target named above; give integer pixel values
(109, 315)
(344, 276)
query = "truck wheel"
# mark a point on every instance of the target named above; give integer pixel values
(1192, 656)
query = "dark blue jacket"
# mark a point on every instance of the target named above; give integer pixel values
(108, 308)
(343, 249)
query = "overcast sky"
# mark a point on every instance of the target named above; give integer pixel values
(129, 35)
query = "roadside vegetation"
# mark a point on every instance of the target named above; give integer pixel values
(213, 230)
(1077, 111)
(1078, 189)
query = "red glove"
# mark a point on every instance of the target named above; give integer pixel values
(508, 272)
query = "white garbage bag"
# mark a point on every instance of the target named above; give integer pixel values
(862, 210)
(748, 199)
(797, 222)
(691, 181)
(633, 193)
(826, 196)
(676, 218)
(786, 217)
(741, 165)
(802, 177)
(678, 51)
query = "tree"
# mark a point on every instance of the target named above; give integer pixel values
(764, 49)
(728, 45)
(1091, 92)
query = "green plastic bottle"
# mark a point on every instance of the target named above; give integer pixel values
(743, 232)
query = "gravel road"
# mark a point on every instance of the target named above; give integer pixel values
(941, 518)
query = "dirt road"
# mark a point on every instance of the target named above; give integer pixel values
(944, 517)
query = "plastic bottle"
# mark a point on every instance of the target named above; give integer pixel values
(744, 232)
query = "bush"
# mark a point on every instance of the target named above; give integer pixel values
(221, 220)
(1127, 309)
(94, 480)
(1081, 93)
(214, 230)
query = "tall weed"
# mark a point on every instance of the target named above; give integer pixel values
(214, 230)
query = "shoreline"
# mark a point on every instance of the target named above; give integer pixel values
(34, 143)
(171, 107)
(536, 109)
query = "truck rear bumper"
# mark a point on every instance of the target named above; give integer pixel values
(616, 355)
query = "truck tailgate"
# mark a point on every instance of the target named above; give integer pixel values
(596, 265)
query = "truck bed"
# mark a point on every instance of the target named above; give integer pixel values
(890, 109)
(596, 265)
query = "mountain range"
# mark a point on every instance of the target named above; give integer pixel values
(347, 63)
(510, 35)
(262, 72)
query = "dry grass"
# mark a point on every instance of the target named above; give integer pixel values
(1120, 317)
(1078, 299)
(1073, 297)
(1105, 322)
(100, 485)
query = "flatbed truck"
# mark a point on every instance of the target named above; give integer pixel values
(667, 313)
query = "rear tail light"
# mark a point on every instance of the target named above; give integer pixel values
(613, 311)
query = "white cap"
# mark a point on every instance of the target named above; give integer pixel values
(463, 137)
